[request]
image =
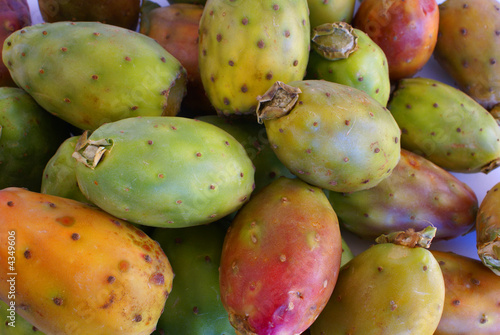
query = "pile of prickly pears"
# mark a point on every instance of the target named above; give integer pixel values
(255, 167)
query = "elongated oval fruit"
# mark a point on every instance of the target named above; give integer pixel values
(280, 259)
(74, 269)
(90, 73)
(164, 171)
(488, 229)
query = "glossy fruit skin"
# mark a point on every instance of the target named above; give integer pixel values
(417, 192)
(405, 30)
(488, 229)
(321, 11)
(386, 289)
(285, 228)
(78, 269)
(468, 47)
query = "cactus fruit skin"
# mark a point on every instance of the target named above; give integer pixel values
(405, 30)
(417, 193)
(276, 44)
(123, 14)
(386, 289)
(194, 306)
(445, 125)
(13, 324)
(29, 136)
(90, 73)
(165, 171)
(79, 269)
(321, 11)
(488, 229)
(468, 47)
(365, 68)
(471, 296)
(323, 139)
(285, 228)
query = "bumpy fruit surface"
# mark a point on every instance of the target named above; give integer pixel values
(164, 171)
(445, 125)
(90, 73)
(417, 193)
(275, 37)
(488, 229)
(78, 269)
(330, 135)
(321, 11)
(468, 47)
(280, 259)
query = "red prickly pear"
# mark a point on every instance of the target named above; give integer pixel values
(488, 229)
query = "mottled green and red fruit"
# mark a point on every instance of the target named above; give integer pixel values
(488, 229)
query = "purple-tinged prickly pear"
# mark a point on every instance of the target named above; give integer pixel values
(416, 194)
(471, 299)
(12, 323)
(90, 73)
(488, 229)
(164, 171)
(280, 259)
(74, 269)
(330, 135)
(328, 11)
(468, 47)
(445, 125)
(246, 45)
(394, 287)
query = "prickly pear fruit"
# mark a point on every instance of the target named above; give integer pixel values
(276, 45)
(390, 288)
(14, 15)
(348, 56)
(417, 193)
(468, 47)
(164, 171)
(12, 323)
(445, 125)
(405, 30)
(59, 175)
(347, 254)
(78, 270)
(471, 296)
(488, 229)
(90, 73)
(29, 136)
(194, 306)
(495, 112)
(330, 135)
(124, 13)
(321, 11)
(280, 259)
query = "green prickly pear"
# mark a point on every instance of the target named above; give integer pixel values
(471, 296)
(330, 135)
(12, 323)
(194, 306)
(74, 269)
(347, 253)
(164, 171)
(394, 287)
(327, 11)
(488, 229)
(29, 136)
(280, 259)
(445, 125)
(348, 56)
(276, 47)
(417, 193)
(90, 73)
(468, 47)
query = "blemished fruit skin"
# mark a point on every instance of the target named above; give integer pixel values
(12, 323)
(90, 73)
(321, 11)
(164, 171)
(405, 30)
(276, 47)
(445, 125)
(382, 286)
(280, 259)
(472, 294)
(417, 192)
(334, 136)
(488, 229)
(468, 47)
(77, 269)
(29, 136)
(194, 306)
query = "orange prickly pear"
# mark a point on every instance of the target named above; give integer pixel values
(488, 229)
(74, 269)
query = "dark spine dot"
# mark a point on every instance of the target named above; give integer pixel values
(111, 279)
(10, 203)
(57, 301)
(219, 37)
(27, 254)
(75, 236)
(260, 44)
(137, 318)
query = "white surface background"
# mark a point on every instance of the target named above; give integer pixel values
(479, 182)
